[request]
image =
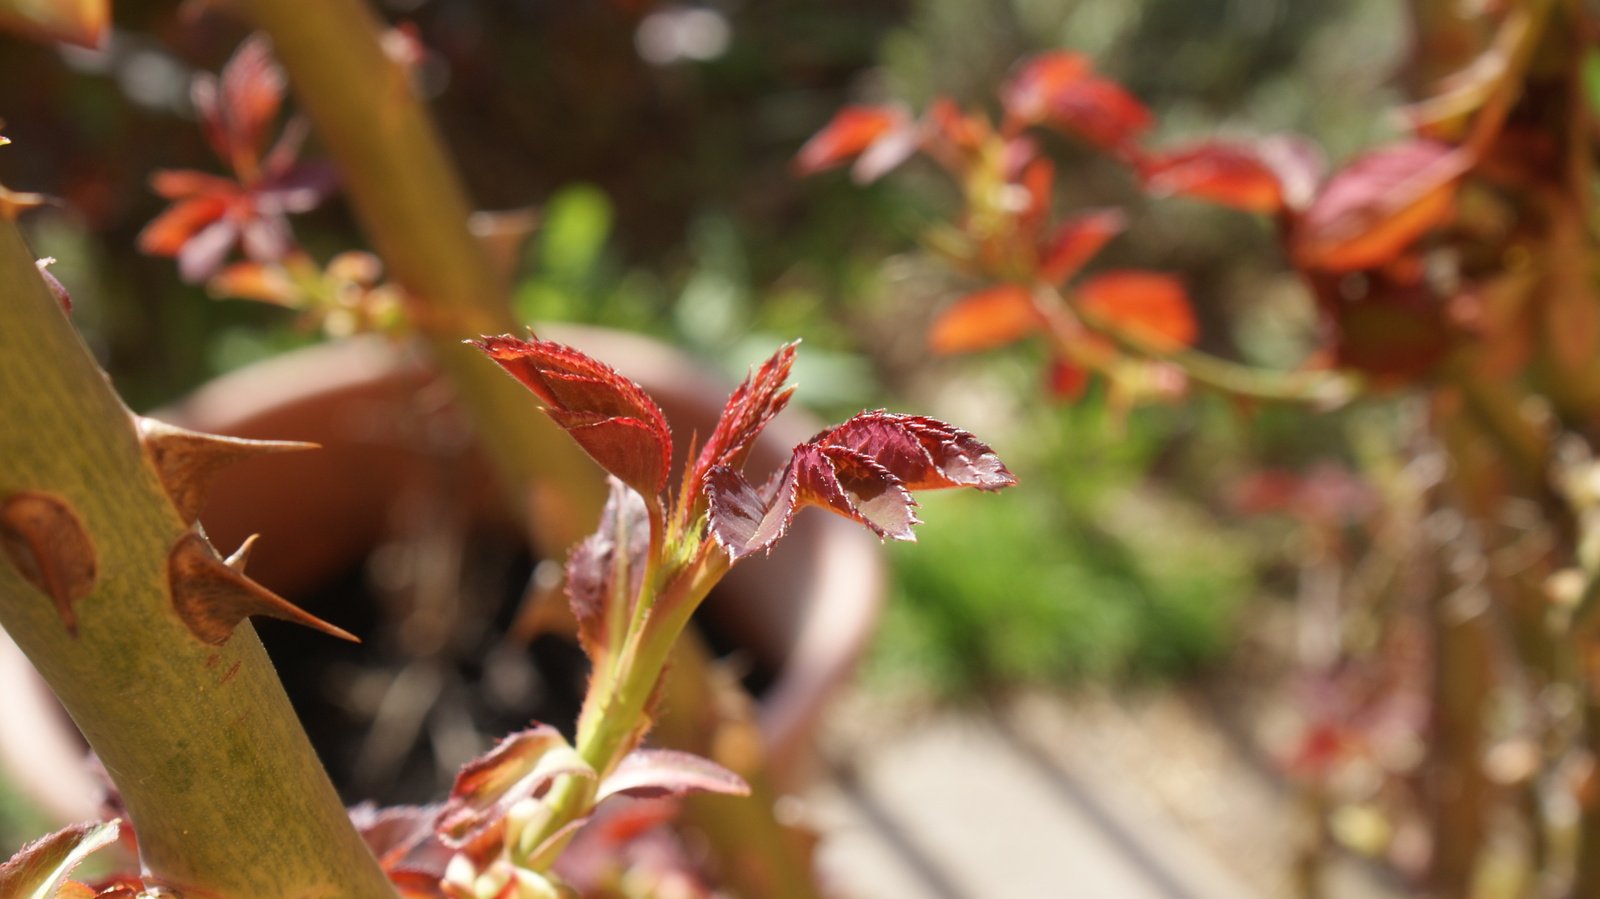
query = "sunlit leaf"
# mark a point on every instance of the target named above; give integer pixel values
(657, 773)
(984, 319)
(749, 408)
(39, 868)
(1227, 174)
(616, 550)
(862, 469)
(1076, 240)
(1378, 205)
(1061, 91)
(849, 134)
(611, 417)
(1150, 307)
(521, 766)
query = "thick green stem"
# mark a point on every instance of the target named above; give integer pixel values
(225, 793)
(413, 208)
(616, 713)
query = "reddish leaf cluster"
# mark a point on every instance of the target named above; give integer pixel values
(500, 790)
(210, 215)
(1367, 217)
(862, 469)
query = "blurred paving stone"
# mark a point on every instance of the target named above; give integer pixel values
(956, 809)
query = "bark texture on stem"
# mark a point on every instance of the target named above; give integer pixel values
(225, 792)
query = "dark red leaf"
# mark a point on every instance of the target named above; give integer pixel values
(954, 139)
(168, 232)
(984, 319)
(594, 565)
(742, 519)
(521, 766)
(851, 470)
(749, 408)
(658, 773)
(1227, 174)
(1377, 206)
(1076, 241)
(922, 453)
(611, 417)
(852, 130)
(1151, 307)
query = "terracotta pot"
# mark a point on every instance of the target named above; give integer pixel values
(396, 457)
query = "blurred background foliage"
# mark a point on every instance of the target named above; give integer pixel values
(653, 141)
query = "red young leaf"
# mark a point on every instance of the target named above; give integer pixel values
(39, 868)
(1060, 90)
(594, 565)
(1227, 174)
(862, 470)
(1149, 306)
(1029, 96)
(238, 109)
(922, 453)
(1077, 240)
(523, 765)
(748, 410)
(852, 131)
(954, 138)
(984, 319)
(402, 838)
(1378, 205)
(611, 417)
(657, 773)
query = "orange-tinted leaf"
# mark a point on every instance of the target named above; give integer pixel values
(269, 283)
(1151, 307)
(1038, 179)
(181, 183)
(1076, 241)
(81, 22)
(168, 232)
(1066, 380)
(984, 319)
(954, 137)
(611, 417)
(40, 867)
(1038, 85)
(1377, 206)
(852, 130)
(1227, 174)
(1060, 90)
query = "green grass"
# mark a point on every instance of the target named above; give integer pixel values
(1081, 573)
